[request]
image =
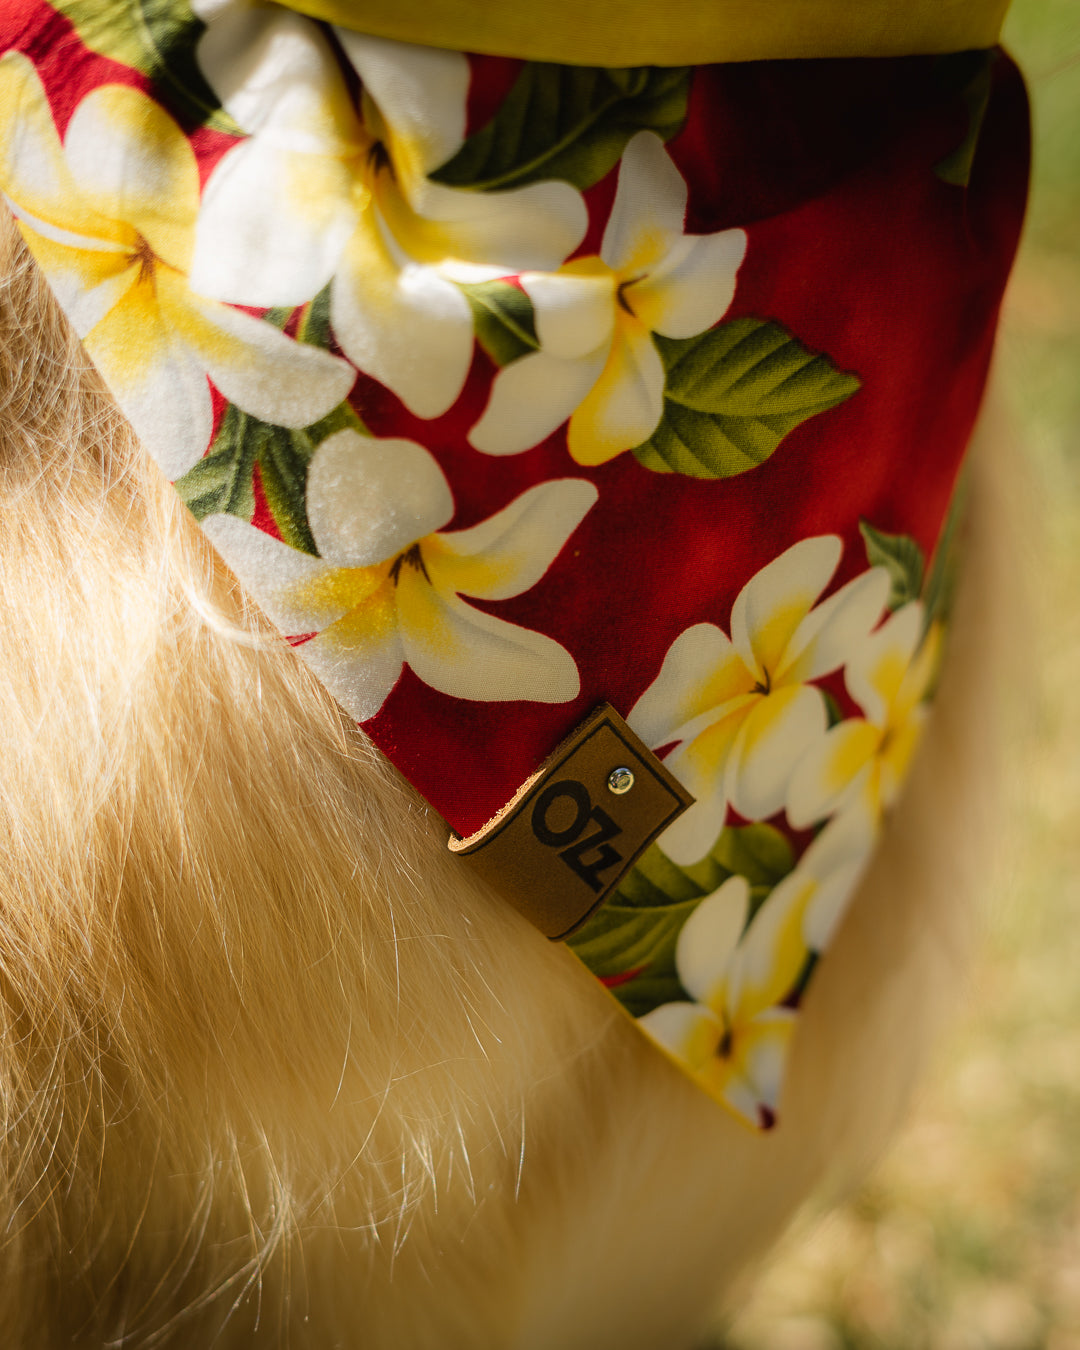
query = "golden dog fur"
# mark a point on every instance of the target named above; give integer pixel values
(274, 1071)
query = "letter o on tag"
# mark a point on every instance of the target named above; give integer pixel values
(575, 792)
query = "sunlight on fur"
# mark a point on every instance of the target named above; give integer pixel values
(275, 1070)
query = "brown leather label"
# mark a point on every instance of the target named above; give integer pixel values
(573, 829)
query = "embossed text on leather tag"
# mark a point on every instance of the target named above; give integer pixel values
(577, 825)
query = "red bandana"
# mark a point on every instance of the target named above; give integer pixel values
(510, 390)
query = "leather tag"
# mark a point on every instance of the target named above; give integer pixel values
(574, 829)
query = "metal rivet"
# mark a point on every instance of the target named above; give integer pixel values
(620, 780)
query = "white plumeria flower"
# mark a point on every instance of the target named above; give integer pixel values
(743, 709)
(822, 885)
(735, 1035)
(863, 761)
(597, 364)
(321, 192)
(110, 217)
(387, 588)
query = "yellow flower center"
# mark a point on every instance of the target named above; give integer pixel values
(378, 158)
(620, 293)
(144, 257)
(411, 557)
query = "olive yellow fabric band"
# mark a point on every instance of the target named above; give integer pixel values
(645, 32)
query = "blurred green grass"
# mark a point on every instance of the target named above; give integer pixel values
(967, 1236)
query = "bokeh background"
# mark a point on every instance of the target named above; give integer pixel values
(967, 1236)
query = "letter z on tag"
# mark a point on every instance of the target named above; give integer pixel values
(574, 829)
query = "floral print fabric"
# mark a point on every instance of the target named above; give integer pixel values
(508, 389)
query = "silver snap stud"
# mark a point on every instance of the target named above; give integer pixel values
(620, 780)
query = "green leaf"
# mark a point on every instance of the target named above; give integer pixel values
(832, 708)
(760, 853)
(341, 418)
(569, 122)
(284, 457)
(157, 37)
(733, 393)
(656, 882)
(970, 73)
(637, 927)
(314, 325)
(278, 316)
(313, 329)
(504, 320)
(803, 979)
(902, 558)
(945, 570)
(617, 939)
(222, 482)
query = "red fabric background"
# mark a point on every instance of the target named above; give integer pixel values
(855, 245)
(864, 254)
